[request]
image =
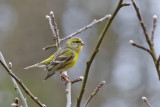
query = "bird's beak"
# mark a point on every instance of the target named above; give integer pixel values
(82, 43)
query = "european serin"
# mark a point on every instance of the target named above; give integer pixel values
(63, 59)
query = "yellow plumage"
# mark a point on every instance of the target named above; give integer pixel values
(62, 60)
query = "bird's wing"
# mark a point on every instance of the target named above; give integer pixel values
(63, 57)
(59, 62)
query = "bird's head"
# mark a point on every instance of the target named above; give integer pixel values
(76, 43)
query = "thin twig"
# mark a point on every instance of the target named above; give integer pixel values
(138, 46)
(86, 27)
(48, 47)
(153, 27)
(89, 62)
(94, 92)
(126, 4)
(35, 99)
(158, 62)
(141, 21)
(144, 99)
(14, 82)
(149, 41)
(55, 29)
(77, 79)
(19, 92)
(77, 32)
(54, 23)
(51, 26)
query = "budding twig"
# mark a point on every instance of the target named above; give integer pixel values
(77, 79)
(148, 39)
(153, 27)
(144, 99)
(13, 81)
(141, 21)
(75, 33)
(48, 47)
(86, 27)
(96, 49)
(15, 78)
(53, 27)
(94, 92)
(126, 4)
(138, 46)
(54, 24)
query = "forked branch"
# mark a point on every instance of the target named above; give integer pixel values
(149, 39)
(26, 90)
(89, 62)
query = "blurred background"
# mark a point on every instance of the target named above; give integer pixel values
(128, 71)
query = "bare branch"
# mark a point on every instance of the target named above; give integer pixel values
(51, 26)
(149, 41)
(48, 47)
(54, 24)
(86, 27)
(158, 62)
(89, 62)
(19, 82)
(126, 4)
(68, 88)
(14, 82)
(144, 99)
(138, 46)
(94, 92)
(141, 21)
(77, 32)
(77, 79)
(153, 27)
(55, 29)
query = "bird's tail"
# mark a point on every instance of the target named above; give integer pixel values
(32, 66)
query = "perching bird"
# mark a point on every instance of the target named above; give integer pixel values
(63, 59)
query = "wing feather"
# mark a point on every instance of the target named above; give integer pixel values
(60, 61)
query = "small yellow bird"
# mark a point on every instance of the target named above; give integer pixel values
(63, 59)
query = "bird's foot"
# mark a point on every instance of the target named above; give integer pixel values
(65, 77)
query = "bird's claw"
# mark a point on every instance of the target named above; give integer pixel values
(65, 77)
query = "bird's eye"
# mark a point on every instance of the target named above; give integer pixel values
(77, 42)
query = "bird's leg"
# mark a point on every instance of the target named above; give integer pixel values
(64, 77)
